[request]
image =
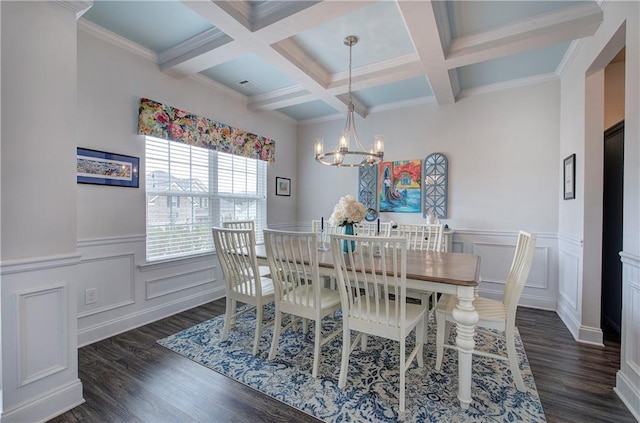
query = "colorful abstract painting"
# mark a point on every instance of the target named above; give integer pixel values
(399, 186)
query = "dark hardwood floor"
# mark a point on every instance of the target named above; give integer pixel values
(129, 378)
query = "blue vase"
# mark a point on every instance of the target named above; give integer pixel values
(348, 230)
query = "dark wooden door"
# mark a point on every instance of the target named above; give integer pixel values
(612, 229)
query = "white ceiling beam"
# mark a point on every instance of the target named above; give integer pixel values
(539, 31)
(422, 24)
(277, 99)
(381, 73)
(284, 55)
(309, 18)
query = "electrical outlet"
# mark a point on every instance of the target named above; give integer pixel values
(90, 296)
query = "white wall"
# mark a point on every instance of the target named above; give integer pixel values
(111, 220)
(502, 149)
(110, 84)
(39, 366)
(582, 123)
(503, 157)
(613, 94)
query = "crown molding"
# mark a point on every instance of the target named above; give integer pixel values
(106, 35)
(78, 7)
(522, 82)
(569, 56)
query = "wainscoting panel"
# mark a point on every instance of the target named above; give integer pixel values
(131, 292)
(171, 284)
(111, 277)
(496, 249)
(39, 343)
(496, 268)
(628, 377)
(570, 284)
(42, 333)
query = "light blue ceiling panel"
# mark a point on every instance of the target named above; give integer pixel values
(379, 27)
(156, 25)
(408, 89)
(472, 17)
(312, 109)
(261, 76)
(522, 65)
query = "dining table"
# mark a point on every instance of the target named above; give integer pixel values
(442, 272)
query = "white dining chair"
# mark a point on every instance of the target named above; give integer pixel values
(371, 229)
(328, 229)
(236, 252)
(239, 224)
(245, 224)
(373, 293)
(293, 258)
(494, 314)
(423, 237)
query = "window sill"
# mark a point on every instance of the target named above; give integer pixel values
(177, 261)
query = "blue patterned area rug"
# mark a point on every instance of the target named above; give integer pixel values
(371, 393)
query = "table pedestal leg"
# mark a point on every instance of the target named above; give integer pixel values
(466, 318)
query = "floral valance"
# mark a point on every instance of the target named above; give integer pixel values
(162, 121)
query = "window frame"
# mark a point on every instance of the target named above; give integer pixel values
(182, 234)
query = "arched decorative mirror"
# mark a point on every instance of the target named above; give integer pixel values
(435, 174)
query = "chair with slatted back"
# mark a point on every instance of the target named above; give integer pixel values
(371, 229)
(236, 252)
(293, 257)
(494, 314)
(373, 293)
(327, 229)
(245, 224)
(424, 237)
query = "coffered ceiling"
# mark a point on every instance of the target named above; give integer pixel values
(289, 56)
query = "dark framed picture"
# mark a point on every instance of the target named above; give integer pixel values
(283, 186)
(102, 168)
(570, 177)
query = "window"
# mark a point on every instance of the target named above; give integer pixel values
(190, 189)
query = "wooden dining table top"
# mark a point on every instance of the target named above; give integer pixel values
(449, 268)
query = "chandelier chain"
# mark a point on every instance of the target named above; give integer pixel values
(350, 67)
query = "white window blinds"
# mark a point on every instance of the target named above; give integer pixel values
(190, 189)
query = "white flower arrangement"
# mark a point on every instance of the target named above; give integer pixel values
(348, 211)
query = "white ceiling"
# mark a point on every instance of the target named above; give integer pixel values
(289, 56)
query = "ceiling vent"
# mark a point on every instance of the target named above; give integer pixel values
(245, 83)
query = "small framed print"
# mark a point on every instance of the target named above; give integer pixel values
(102, 168)
(283, 186)
(570, 177)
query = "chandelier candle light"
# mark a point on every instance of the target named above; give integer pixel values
(343, 155)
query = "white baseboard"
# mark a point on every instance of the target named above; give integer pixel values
(628, 393)
(122, 324)
(568, 318)
(47, 406)
(590, 335)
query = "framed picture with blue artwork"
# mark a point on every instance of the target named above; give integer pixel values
(102, 168)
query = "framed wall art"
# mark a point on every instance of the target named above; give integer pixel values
(102, 168)
(283, 186)
(570, 177)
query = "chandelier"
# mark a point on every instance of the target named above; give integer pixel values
(343, 155)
